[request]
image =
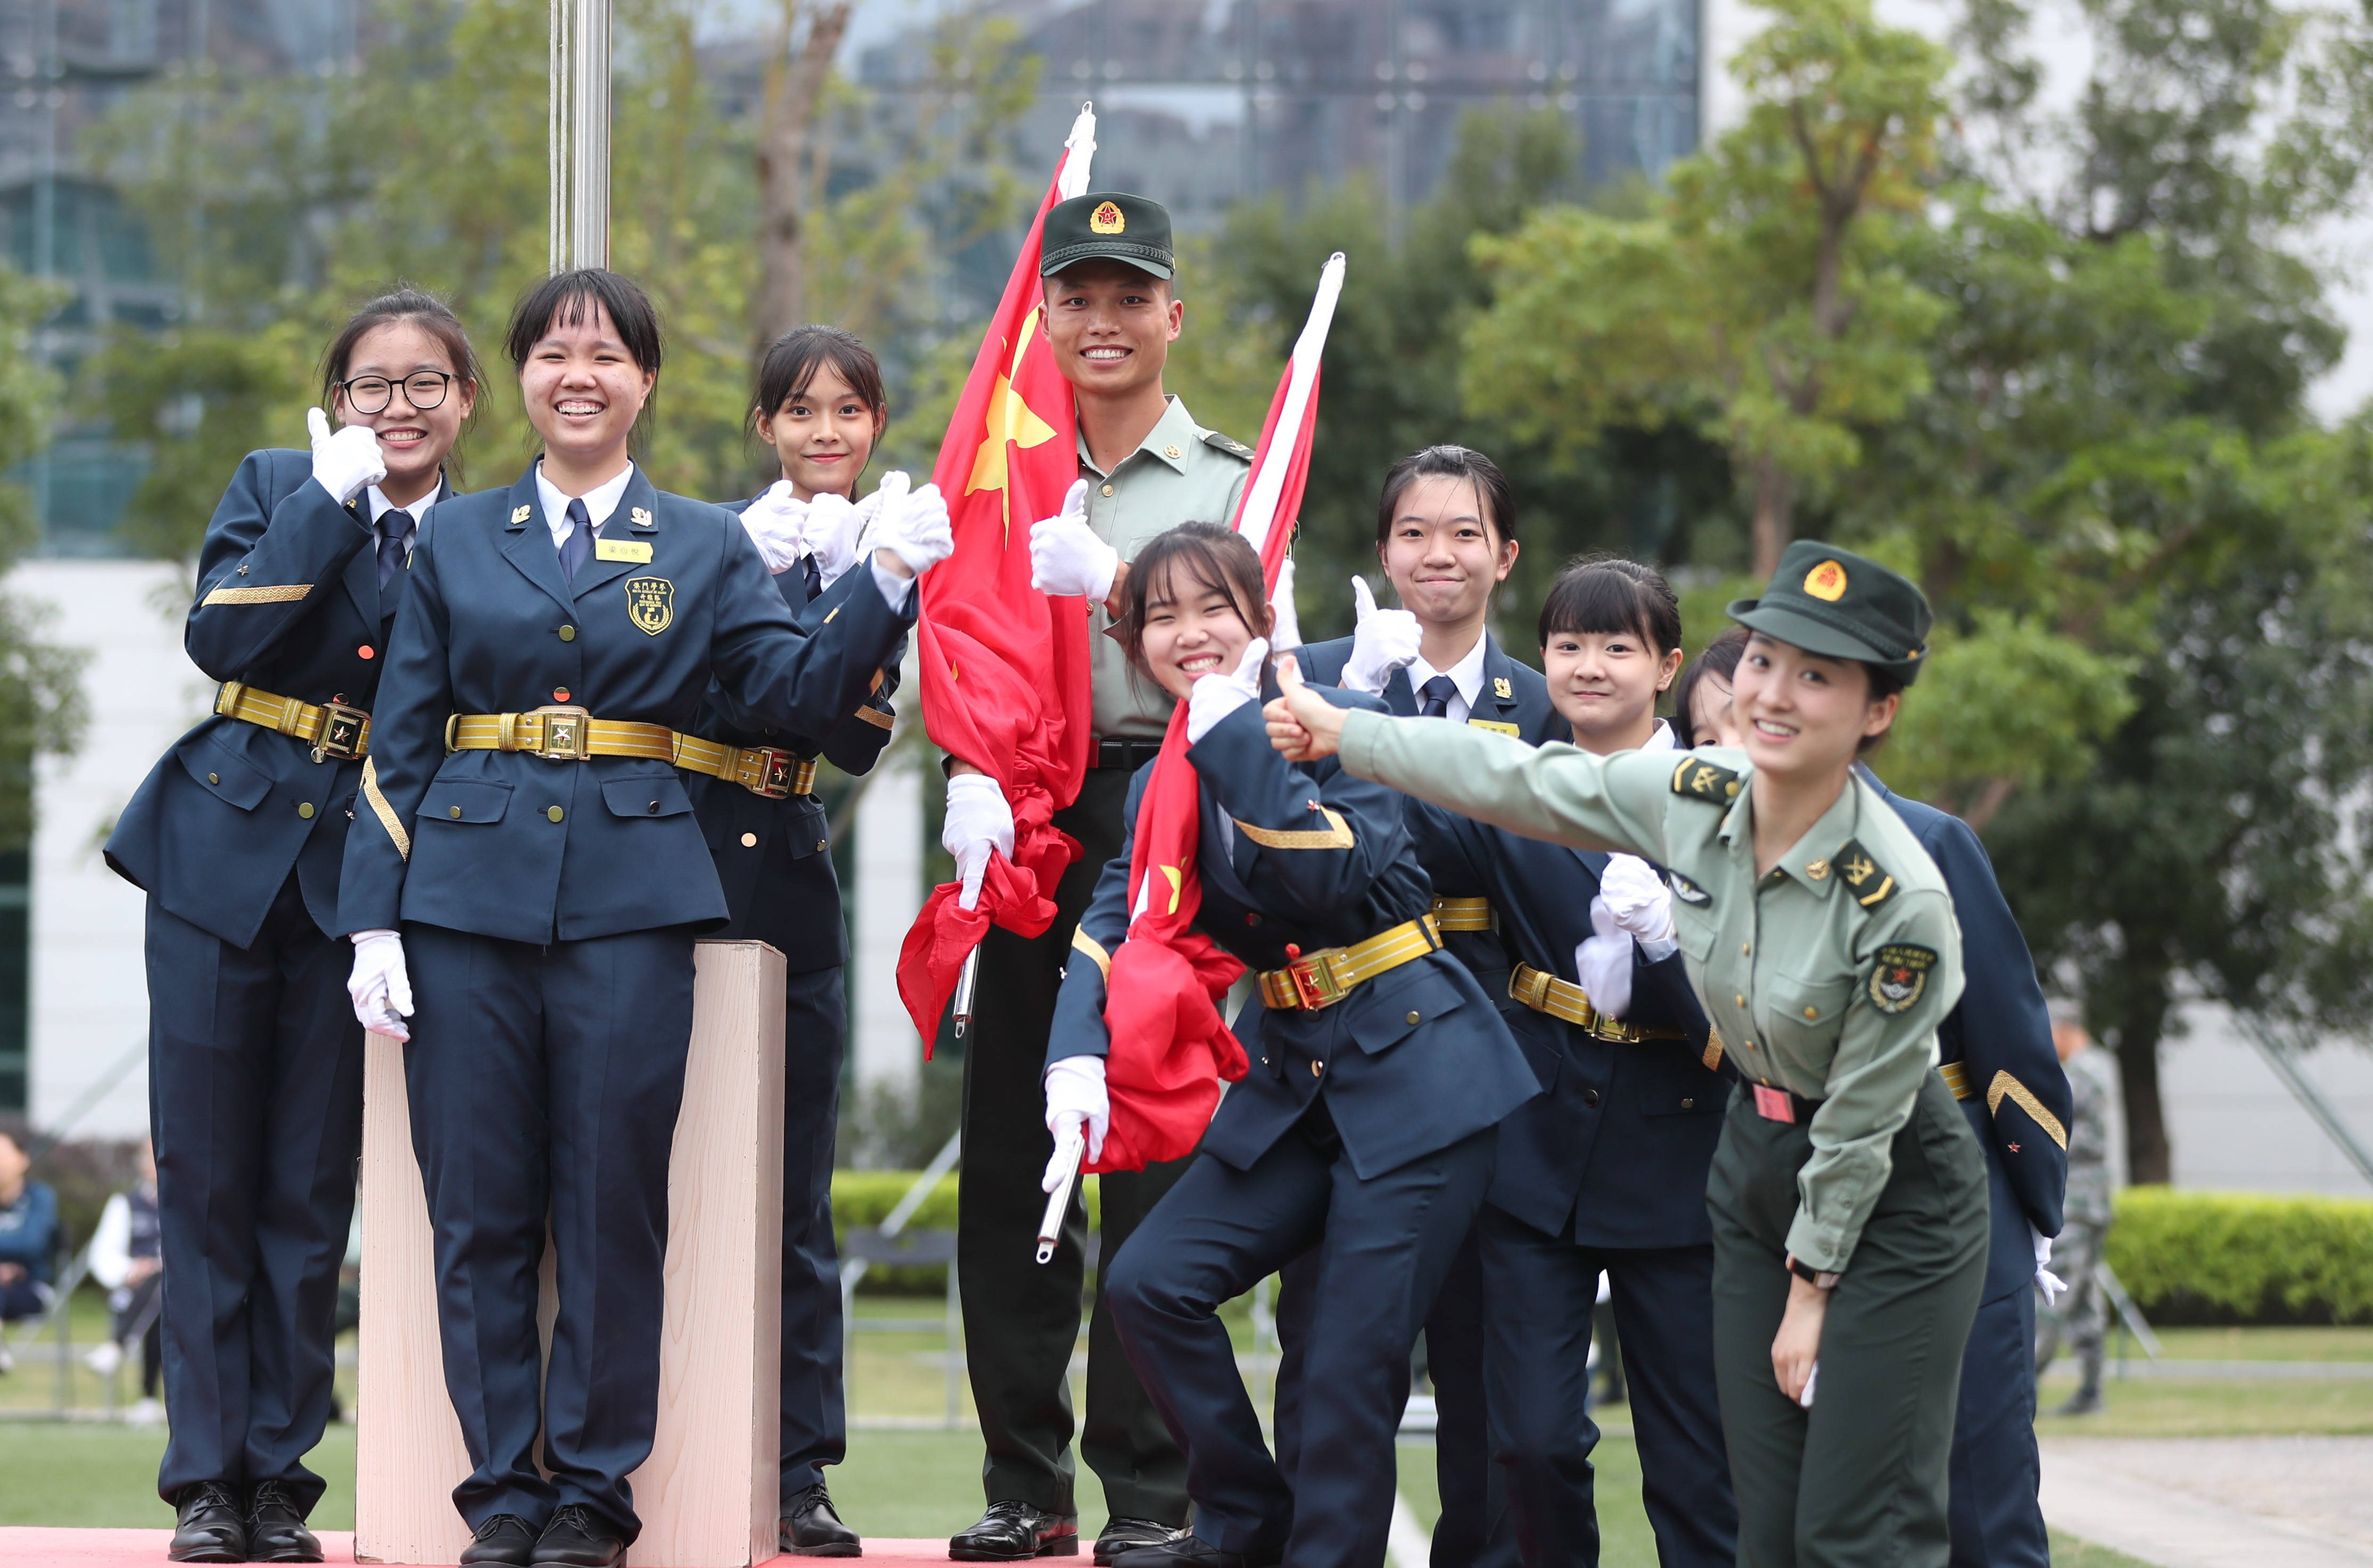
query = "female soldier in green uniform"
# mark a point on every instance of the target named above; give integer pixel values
(1848, 1195)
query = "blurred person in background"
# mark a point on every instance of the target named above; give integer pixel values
(28, 1236)
(255, 1062)
(2081, 1317)
(820, 407)
(1702, 696)
(127, 1257)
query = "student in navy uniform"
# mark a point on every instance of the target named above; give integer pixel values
(1445, 537)
(1607, 1171)
(1996, 1050)
(525, 821)
(1364, 1129)
(820, 405)
(238, 836)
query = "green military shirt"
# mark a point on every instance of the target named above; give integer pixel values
(1827, 976)
(1180, 473)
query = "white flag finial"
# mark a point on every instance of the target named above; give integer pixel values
(1080, 154)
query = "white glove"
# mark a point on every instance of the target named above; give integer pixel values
(1216, 695)
(2053, 1286)
(978, 822)
(831, 533)
(776, 524)
(1381, 642)
(1602, 962)
(913, 524)
(1066, 556)
(343, 463)
(1637, 898)
(1075, 1098)
(379, 986)
(1285, 626)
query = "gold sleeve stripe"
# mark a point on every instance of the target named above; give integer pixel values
(876, 717)
(259, 595)
(1082, 942)
(381, 810)
(1712, 1058)
(1337, 837)
(2005, 1087)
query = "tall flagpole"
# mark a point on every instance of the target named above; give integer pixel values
(576, 133)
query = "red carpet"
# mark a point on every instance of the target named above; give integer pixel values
(122, 1549)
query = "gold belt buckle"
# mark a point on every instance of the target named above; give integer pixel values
(564, 734)
(342, 733)
(1314, 985)
(1612, 1030)
(776, 767)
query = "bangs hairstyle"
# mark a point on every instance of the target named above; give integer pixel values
(567, 298)
(402, 303)
(800, 353)
(1716, 661)
(1210, 556)
(1449, 462)
(1605, 596)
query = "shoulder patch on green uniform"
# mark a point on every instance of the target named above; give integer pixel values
(1704, 781)
(1686, 891)
(1901, 976)
(1228, 444)
(1865, 879)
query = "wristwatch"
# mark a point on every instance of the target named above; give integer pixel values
(1819, 1279)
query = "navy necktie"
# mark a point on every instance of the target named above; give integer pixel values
(577, 548)
(1437, 693)
(393, 527)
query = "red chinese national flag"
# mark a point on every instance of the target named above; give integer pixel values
(1004, 669)
(1170, 1049)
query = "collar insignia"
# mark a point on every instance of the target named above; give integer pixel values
(1704, 781)
(640, 517)
(1865, 878)
(1500, 688)
(520, 514)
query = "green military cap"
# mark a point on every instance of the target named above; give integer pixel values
(1108, 226)
(1841, 605)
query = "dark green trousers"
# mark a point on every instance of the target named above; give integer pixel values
(1022, 1320)
(1861, 1478)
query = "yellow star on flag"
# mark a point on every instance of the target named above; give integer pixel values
(1009, 419)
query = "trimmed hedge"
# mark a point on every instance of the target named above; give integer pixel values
(866, 1198)
(2215, 1257)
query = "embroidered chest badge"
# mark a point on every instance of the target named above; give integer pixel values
(650, 604)
(1900, 976)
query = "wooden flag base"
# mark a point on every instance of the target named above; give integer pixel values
(708, 1495)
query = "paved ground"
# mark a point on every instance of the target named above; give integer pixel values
(2212, 1502)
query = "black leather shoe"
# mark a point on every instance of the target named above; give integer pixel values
(579, 1538)
(1012, 1531)
(1185, 1551)
(275, 1526)
(1128, 1534)
(504, 1541)
(210, 1525)
(810, 1527)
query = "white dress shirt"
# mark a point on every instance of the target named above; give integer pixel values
(599, 502)
(1467, 675)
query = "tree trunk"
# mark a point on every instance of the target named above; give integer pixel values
(1776, 514)
(2141, 1022)
(787, 171)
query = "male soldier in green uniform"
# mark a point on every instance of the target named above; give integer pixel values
(1848, 1194)
(1145, 467)
(2082, 1313)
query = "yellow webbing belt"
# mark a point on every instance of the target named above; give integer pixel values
(570, 734)
(1463, 914)
(1544, 992)
(1326, 977)
(332, 729)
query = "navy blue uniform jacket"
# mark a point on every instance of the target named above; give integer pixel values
(1412, 1060)
(288, 602)
(1514, 700)
(1618, 1144)
(798, 914)
(507, 845)
(2001, 1032)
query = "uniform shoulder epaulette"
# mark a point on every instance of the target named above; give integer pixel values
(1702, 780)
(1228, 444)
(1867, 882)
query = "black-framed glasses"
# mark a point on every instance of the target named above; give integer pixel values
(423, 389)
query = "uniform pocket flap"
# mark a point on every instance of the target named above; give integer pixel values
(465, 799)
(226, 775)
(659, 795)
(1400, 1002)
(1821, 1001)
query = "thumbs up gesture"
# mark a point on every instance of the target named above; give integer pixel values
(1381, 642)
(343, 461)
(1303, 725)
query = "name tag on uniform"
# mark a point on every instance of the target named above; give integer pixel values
(1496, 729)
(635, 550)
(1773, 1104)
